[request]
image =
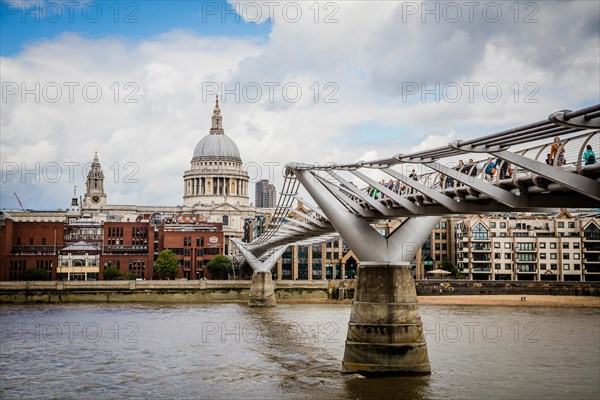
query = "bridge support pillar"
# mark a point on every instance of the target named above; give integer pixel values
(262, 291)
(385, 332)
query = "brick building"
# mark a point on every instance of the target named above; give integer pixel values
(81, 249)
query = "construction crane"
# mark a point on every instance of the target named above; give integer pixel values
(21, 204)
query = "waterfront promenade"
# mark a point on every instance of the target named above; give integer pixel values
(586, 294)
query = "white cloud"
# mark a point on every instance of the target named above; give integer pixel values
(361, 62)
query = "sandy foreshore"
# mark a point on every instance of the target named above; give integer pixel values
(515, 300)
(486, 300)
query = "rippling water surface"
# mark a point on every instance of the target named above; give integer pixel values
(293, 351)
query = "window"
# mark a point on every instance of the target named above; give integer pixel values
(497, 256)
(507, 256)
(565, 245)
(443, 225)
(561, 224)
(571, 225)
(575, 245)
(553, 245)
(492, 224)
(577, 267)
(542, 245)
(553, 266)
(507, 266)
(553, 256)
(566, 267)
(543, 267)
(480, 232)
(437, 236)
(576, 256)
(225, 220)
(496, 266)
(525, 257)
(565, 256)
(502, 234)
(496, 245)
(444, 236)
(542, 256)
(502, 224)
(525, 246)
(507, 245)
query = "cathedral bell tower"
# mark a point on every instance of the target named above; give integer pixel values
(94, 186)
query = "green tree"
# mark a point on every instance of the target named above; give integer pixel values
(219, 266)
(166, 264)
(112, 274)
(35, 274)
(448, 266)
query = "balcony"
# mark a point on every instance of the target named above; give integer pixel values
(479, 247)
(33, 250)
(526, 269)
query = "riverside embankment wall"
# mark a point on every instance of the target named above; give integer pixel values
(224, 291)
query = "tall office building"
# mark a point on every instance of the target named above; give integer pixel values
(266, 194)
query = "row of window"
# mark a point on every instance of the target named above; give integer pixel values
(531, 267)
(187, 241)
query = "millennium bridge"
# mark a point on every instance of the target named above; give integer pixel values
(535, 167)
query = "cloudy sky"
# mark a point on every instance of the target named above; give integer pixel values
(315, 82)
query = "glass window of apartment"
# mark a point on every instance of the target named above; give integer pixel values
(497, 245)
(553, 256)
(502, 224)
(565, 245)
(566, 267)
(571, 225)
(437, 236)
(497, 266)
(552, 245)
(437, 226)
(507, 256)
(543, 267)
(443, 225)
(507, 245)
(492, 224)
(576, 256)
(444, 246)
(566, 256)
(542, 256)
(577, 267)
(553, 266)
(444, 236)
(561, 224)
(502, 234)
(507, 266)
(542, 245)
(480, 232)
(497, 256)
(575, 245)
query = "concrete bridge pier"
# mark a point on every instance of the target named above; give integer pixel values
(262, 290)
(385, 332)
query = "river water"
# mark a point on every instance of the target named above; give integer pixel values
(293, 351)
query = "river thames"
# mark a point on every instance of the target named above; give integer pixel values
(293, 351)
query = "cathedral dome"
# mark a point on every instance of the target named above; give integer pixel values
(216, 145)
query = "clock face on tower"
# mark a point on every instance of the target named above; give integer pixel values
(95, 199)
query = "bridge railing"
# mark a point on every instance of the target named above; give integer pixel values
(437, 188)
